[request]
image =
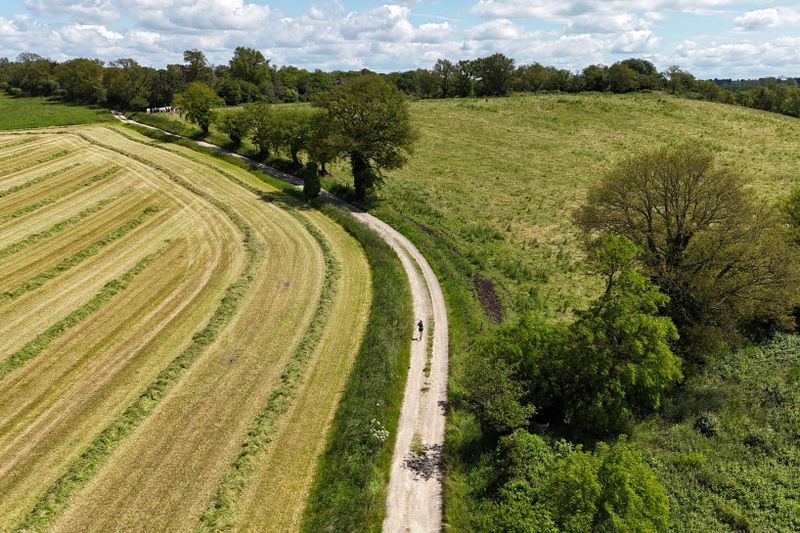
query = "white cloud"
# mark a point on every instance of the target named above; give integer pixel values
(767, 18)
(635, 42)
(83, 11)
(497, 30)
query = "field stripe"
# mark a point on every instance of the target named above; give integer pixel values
(77, 258)
(220, 514)
(46, 159)
(56, 498)
(58, 227)
(37, 345)
(34, 181)
(54, 198)
(18, 142)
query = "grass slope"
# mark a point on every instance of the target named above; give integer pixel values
(18, 113)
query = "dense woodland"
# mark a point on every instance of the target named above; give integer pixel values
(250, 77)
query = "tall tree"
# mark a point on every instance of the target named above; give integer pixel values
(722, 258)
(371, 124)
(196, 67)
(495, 73)
(248, 64)
(196, 103)
(445, 72)
(82, 80)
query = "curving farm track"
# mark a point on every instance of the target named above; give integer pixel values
(162, 326)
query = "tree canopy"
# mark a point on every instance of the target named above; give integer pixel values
(369, 122)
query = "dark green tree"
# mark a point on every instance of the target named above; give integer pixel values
(619, 361)
(82, 80)
(235, 124)
(494, 75)
(370, 122)
(197, 102)
(196, 67)
(722, 258)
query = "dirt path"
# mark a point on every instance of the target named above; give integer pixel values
(414, 495)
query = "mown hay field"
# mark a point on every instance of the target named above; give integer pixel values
(175, 334)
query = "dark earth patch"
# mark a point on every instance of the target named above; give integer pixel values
(488, 297)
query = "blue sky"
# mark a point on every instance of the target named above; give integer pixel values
(725, 38)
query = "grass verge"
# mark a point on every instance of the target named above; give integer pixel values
(77, 258)
(349, 491)
(33, 238)
(37, 345)
(56, 498)
(221, 512)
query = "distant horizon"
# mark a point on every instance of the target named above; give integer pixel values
(727, 39)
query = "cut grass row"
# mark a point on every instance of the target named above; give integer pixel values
(59, 195)
(59, 226)
(221, 512)
(38, 179)
(80, 256)
(56, 498)
(41, 161)
(41, 341)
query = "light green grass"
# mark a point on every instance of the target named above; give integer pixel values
(18, 113)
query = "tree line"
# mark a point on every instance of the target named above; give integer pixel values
(249, 77)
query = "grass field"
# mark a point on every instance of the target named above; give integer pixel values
(163, 326)
(16, 113)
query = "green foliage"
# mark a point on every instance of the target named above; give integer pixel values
(235, 124)
(746, 474)
(620, 360)
(622, 78)
(264, 133)
(349, 490)
(248, 64)
(564, 489)
(196, 102)
(494, 73)
(724, 261)
(82, 80)
(369, 121)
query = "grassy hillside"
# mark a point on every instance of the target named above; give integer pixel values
(16, 113)
(498, 178)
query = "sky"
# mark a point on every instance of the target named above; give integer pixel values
(710, 38)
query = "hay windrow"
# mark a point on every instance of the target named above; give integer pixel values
(58, 227)
(61, 194)
(80, 256)
(38, 344)
(220, 515)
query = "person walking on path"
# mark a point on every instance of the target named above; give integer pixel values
(420, 327)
